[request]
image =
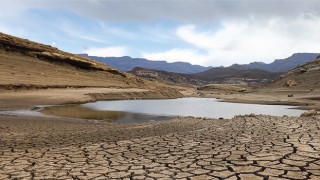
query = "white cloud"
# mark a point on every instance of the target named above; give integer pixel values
(244, 41)
(68, 28)
(187, 55)
(117, 51)
(250, 40)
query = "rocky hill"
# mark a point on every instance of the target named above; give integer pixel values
(127, 63)
(306, 77)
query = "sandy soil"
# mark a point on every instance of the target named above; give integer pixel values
(27, 98)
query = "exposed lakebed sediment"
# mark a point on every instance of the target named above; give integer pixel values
(246, 147)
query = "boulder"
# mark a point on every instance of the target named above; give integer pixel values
(310, 113)
(242, 90)
(291, 83)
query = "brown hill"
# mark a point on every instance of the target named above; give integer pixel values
(221, 74)
(306, 77)
(168, 77)
(27, 64)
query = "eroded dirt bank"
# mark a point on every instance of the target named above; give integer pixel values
(10, 99)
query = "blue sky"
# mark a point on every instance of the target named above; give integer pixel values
(200, 32)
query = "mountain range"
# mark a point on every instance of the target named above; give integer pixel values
(280, 65)
(127, 63)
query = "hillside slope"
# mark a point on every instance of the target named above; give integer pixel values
(27, 64)
(305, 77)
(127, 63)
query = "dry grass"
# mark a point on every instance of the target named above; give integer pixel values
(16, 69)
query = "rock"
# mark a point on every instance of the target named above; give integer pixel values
(290, 95)
(302, 71)
(251, 115)
(291, 83)
(310, 113)
(242, 90)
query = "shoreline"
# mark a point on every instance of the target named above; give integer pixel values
(71, 95)
(27, 99)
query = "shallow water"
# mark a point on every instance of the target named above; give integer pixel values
(131, 111)
(197, 107)
(78, 111)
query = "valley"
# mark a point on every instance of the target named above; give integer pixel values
(34, 76)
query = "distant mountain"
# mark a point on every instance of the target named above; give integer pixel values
(127, 63)
(280, 65)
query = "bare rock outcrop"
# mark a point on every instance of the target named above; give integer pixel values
(291, 83)
(310, 113)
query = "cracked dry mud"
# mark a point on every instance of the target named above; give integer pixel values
(245, 147)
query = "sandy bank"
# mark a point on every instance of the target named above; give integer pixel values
(10, 99)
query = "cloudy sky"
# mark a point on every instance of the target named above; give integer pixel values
(205, 32)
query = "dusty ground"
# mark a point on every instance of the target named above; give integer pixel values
(259, 147)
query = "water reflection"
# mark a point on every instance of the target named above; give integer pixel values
(127, 111)
(76, 111)
(196, 107)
